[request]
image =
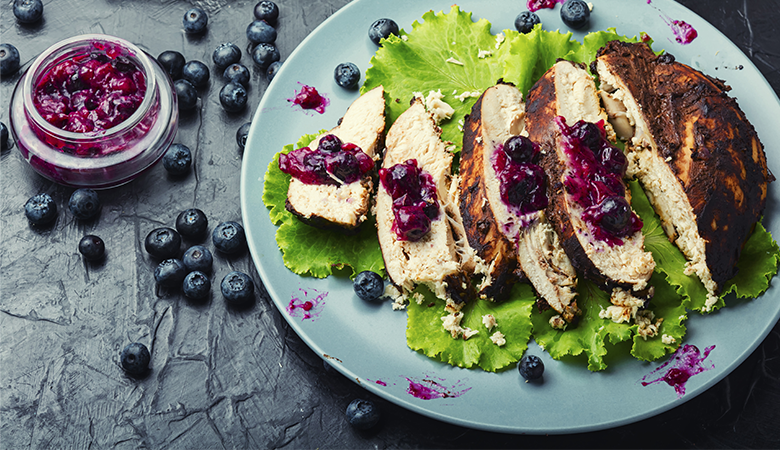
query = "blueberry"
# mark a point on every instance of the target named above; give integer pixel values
(531, 367)
(170, 272)
(369, 286)
(92, 247)
(520, 149)
(362, 414)
(28, 11)
(185, 94)
(9, 59)
(173, 63)
(196, 73)
(40, 209)
(242, 134)
(195, 21)
(237, 288)
(274, 67)
(260, 31)
(267, 10)
(84, 204)
(381, 29)
(525, 21)
(196, 285)
(135, 359)
(229, 237)
(347, 75)
(163, 243)
(265, 54)
(233, 97)
(236, 73)
(575, 14)
(330, 143)
(4, 137)
(615, 214)
(177, 160)
(192, 223)
(226, 54)
(198, 258)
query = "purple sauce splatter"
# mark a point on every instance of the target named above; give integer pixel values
(686, 362)
(536, 5)
(308, 306)
(379, 382)
(684, 33)
(429, 389)
(308, 98)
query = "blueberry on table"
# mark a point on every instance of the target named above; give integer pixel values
(4, 137)
(196, 285)
(242, 134)
(173, 63)
(575, 14)
(229, 237)
(266, 10)
(195, 21)
(362, 414)
(170, 272)
(260, 31)
(196, 73)
(265, 54)
(198, 258)
(525, 21)
(233, 97)
(192, 223)
(237, 288)
(84, 204)
(178, 159)
(236, 73)
(163, 243)
(531, 367)
(92, 247)
(226, 54)
(185, 94)
(274, 67)
(40, 209)
(369, 286)
(347, 75)
(381, 29)
(135, 359)
(9, 59)
(28, 11)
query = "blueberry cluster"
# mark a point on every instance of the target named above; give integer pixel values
(187, 76)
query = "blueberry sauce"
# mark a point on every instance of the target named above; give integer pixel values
(308, 306)
(429, 389)
(522, 182)
(379, 382)
(309, 98)
(645, 37)
(686, 362)
(332, 162)
(90, 92)
(536, 5)
(415, 203)
(594, 181)
(684, 33)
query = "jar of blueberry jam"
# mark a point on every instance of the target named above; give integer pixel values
(93, 111)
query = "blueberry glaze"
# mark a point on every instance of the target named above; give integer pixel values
(522, 182)
(415, 203)
(343, 164)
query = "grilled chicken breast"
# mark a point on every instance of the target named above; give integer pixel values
(694, 151)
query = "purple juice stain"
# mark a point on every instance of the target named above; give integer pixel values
(536, 5)
(308, 306)
(684, 33)
(430, 389)
(686, 362)
(379, 382)
(309, 98)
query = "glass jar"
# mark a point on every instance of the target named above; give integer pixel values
(103, 158)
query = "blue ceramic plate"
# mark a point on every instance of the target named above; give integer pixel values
(368, 344)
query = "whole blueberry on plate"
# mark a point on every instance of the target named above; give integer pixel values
(266, 10)
(237, 288)
(135, 359)
(92, 247)
(229, 237)
(192, 223)
(525, 21)
(40, 209)
(236, 73)
(186, 95)
(575, 14)
(264, 54)
(242, 134)
(198, 258)
(347, 75)
(274, 67)
(84, 204)
(362, 414)
(9, 59)
(381, 29)
(170, 272)
(173, 63)
(195, 21)
(178, 159)
(233, 97)
(531, 367)
(196, 73)
(163, 243)
(4, 136)
(369, 286)
(226, 54)
(196, 285)
(28, 11)
(260, 31)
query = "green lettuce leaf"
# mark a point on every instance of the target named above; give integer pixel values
(757, 265)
